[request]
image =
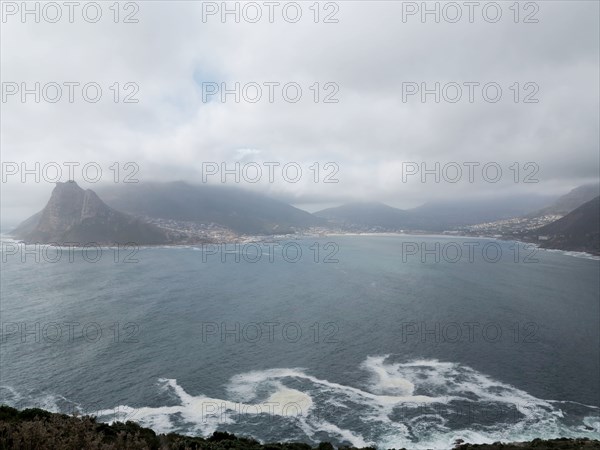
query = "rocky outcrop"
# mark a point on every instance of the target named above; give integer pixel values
(74, 216)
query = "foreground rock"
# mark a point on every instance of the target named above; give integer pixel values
(39, 429)
(539, 444)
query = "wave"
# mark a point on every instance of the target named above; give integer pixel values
(584, 255)
(415, 404)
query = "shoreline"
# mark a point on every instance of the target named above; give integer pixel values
(295, 237)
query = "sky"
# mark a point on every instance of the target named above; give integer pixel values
(347, 110)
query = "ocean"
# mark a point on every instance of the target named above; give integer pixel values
(386, 341)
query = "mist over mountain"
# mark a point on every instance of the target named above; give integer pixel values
(452, 213)
(232, 207)
(78, 217)
(433, 216)
(179, 212)
(570, 201)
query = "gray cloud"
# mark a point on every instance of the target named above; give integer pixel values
(369, 54)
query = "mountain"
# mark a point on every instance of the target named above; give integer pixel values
(367, 215)
(577, 231)
(78, 217)
(231, 207)
(449, 214)
(434, 216)
(568, 202)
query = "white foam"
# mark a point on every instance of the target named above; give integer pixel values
(392, 410)
(583, 255)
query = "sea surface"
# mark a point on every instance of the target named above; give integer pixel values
(390, 341)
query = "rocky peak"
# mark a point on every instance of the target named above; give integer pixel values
(68, 205)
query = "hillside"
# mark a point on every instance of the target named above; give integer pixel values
(577, 231)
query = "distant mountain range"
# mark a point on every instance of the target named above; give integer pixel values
(74, 216)
(433, 216)
(178, 212)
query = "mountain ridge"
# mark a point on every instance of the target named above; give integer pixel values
(569, 201)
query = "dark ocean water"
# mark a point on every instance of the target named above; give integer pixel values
(386, 346)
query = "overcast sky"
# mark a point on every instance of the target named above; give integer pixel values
(370, 57)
